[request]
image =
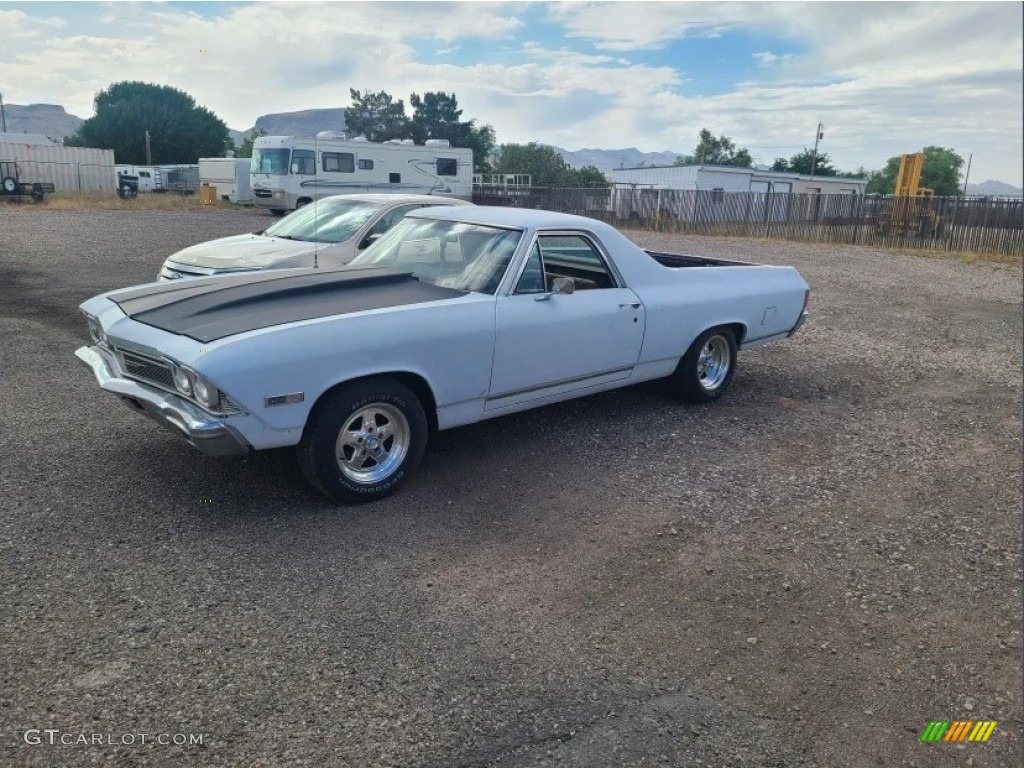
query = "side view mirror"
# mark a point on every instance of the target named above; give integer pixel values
(565, 285)
(295, 167)
(370, 240)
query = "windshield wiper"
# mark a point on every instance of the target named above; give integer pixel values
(290, 237)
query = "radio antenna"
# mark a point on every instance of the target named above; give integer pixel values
(316, 199)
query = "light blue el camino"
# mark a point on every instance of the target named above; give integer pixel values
(457, 314)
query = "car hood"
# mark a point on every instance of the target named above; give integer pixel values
(247, 252)
(210, 308)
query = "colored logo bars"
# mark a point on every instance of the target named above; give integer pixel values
(958, 730)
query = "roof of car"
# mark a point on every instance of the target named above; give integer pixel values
(400, 198)
(501, 216)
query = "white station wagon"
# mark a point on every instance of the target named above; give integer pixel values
(455, 315)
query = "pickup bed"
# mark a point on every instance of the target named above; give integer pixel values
(679, 261)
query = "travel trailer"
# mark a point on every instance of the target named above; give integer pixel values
(288, 171)
(161, 178)
(229, 175)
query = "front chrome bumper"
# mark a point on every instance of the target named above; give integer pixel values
(802, 319)
(203, 431)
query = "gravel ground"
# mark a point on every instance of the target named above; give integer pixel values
(803, 574)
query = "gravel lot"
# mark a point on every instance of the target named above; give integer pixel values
(803, 574)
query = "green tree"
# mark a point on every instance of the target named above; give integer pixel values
(545, 166)
(179, 130)
(716, 151)
(376, 116)
(781, 165)
(940, 172)
(803, 161)
(587, 176)
(245, 148)
(437, 116)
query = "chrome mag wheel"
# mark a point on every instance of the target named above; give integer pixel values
(714, 362)
(373, 443)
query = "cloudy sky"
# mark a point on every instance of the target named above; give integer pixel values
(884, 78)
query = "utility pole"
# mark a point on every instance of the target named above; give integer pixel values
(818, 136)
(149, 156)
(3, 117)
(968, 174)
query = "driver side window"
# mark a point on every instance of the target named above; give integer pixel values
(533, 279)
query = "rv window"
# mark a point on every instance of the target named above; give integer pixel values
(303, 162)
(394, 178)
(447, 166)
(339, 162)
(144, 175)
(366, 165)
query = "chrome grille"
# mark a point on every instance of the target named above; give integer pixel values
(147, 369)
(262, 193)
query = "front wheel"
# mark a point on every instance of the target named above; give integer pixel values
(278, 211)
(364, 441)
(704, 373)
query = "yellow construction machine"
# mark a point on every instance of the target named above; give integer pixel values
(911, 210)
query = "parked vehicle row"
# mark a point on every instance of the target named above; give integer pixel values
(454, 315)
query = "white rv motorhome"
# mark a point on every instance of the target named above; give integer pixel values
(289, 171)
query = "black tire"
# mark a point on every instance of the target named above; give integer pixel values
(690, 381)
(317, 451)
(8, 185)
(301, 202)
(278, 211)
(37, 195)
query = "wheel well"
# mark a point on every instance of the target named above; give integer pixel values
(413, 381)
(303, 201)
(739, 332)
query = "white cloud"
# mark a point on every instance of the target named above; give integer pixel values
(767, 58)
(885, 78)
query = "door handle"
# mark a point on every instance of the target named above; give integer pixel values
(633, 304)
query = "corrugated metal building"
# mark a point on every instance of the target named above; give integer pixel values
(727, 179)
(68, 168)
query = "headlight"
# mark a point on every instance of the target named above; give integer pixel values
(96, 331)
(182, 381)
(279, 194)
(206, 393)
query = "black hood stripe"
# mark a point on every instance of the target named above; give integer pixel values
(212, 308)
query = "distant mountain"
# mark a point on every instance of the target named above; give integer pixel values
(995, 189)
(608, 159)
(308, 122)
(48, 119)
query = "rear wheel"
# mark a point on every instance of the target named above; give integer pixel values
(704, 373)
(301, 202)
(9, 184)
(364, 441)
(278, 211)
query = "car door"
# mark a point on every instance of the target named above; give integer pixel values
(548, 344)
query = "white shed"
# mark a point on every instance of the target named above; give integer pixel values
(80, 169)
(727, 179)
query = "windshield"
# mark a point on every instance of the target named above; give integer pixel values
(467, 257)
(325, 221)
(273, 161)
